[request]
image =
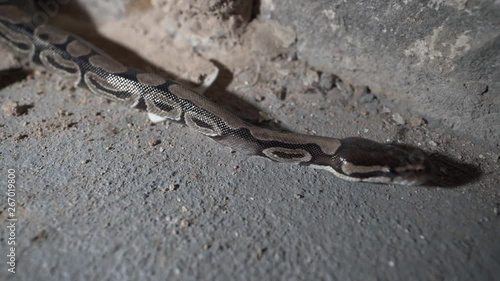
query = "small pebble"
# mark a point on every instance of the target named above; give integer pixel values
(416, 121)
(433, 143)
(386, 110)
(184, 223)
(259, 98)
(173, 187)
(310, 78)
(264, 117)
(298, 196)
(367, 98)
(154, 142)
(398, 119)
(326, 81)
(260, 252)
(476, 88)
(64, 113)
(482, 156)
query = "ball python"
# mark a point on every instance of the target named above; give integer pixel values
(353, 158)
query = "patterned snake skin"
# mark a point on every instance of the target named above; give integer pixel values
(354, 159)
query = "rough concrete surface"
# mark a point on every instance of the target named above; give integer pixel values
(102, 194)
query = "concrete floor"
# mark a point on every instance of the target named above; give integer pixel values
(100, 199)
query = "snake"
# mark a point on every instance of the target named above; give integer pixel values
(352, 158)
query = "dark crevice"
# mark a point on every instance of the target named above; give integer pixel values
(255, 10)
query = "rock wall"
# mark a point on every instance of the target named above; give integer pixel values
(439, 59)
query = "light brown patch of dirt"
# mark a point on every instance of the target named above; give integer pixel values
(44, 128)
(12, 108)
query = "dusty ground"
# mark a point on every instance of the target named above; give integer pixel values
(104, 194)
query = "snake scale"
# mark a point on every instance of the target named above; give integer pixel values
(355, 159)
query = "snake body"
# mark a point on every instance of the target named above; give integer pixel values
(355, 159)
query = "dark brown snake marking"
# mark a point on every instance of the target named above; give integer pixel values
(354, 159)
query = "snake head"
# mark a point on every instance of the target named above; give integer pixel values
(360, 159)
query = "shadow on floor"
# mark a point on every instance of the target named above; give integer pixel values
(11, 76)
(450, 173)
